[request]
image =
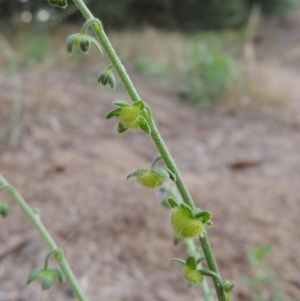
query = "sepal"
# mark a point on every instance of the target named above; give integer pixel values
(113, 113)
(58, 3)
(121, 128)
(172, 203)
(4, 209)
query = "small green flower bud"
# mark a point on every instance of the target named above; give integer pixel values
(83, 40)
(228, 285)
(85, 45)
(58, 3)
(107, 77)
(4, 209)
(130, 117)
(192, 276)
(46, 276)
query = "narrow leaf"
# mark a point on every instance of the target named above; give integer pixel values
(136, 173)
(177, 260)
(140, 104)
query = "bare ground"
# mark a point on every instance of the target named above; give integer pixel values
(242, 165)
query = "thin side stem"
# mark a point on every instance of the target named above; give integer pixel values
(35, 219)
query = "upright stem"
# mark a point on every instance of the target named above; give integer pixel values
(35, 219)
(156, 138)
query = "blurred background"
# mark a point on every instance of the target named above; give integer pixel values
(222, 78)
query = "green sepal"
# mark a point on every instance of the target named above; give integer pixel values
(113, 113)
(161, 172)
(46, 280)
(200, 259)
(58, 275)
(34, 274)
(171, 175)
(121, 103)
(112, 80)
(70, 42)
(58, 3)
(144, 125)
(137, 172)
(209, 223)
(97, 44)
(187, 210)
(172, 203)
(140, 104)
(191, 262)
(178, 260)
(4, 209)
(121, 128)
(203, 216)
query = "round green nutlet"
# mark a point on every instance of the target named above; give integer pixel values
(192, 276)
(179, 220)
(192, 229)
(150, 179)
(130, 117)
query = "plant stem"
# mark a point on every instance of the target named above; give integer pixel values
(159, 142)
(35, 219)
(100, 33)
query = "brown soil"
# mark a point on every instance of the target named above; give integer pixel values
(243, 166)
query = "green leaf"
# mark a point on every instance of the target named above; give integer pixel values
(172, 203)
(209, 223)
(114, 113)
(203, 216)
(59, 3)
(191, 262)
(187, 210)
(121, 128)
(144, 125)
(121, 103)
(136, 173)
(34, 274)
(4, 209)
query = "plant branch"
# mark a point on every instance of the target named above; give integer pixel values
(35, 219)
(159, 142)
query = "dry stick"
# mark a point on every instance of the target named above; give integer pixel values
(35, 219)
(159, 142)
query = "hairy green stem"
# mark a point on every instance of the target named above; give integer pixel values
(35, 219)
(159, 142)
(100, 33)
